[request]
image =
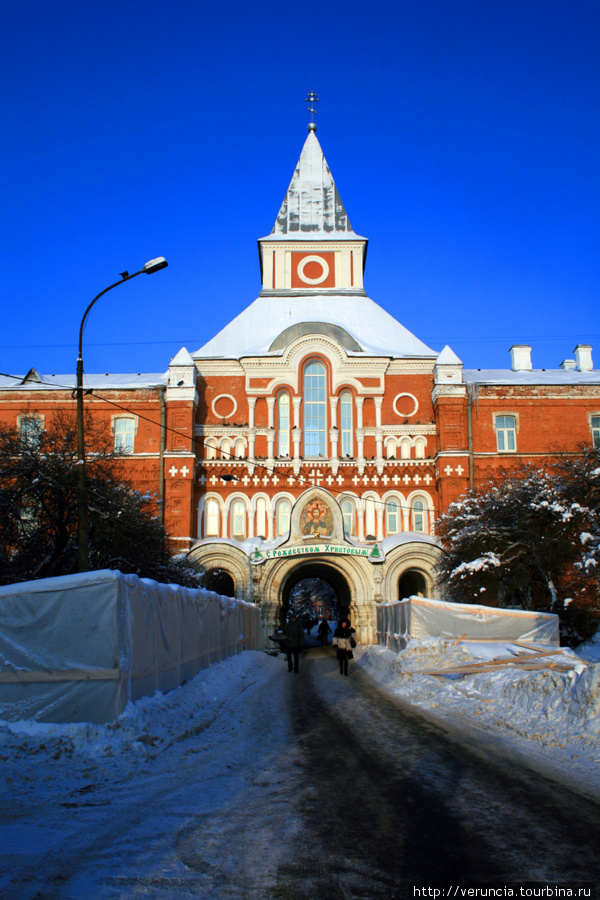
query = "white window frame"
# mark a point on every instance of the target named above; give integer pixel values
(127, 446)
(261, 517)
(283, 511)
(504, 432)
(346, 425)
(417, 513)
(284, 405)
(239, 520)
(212, 518)
(595, 428)
(348, 515)
(314, 384)
(392, 510)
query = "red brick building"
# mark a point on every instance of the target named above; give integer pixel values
(315, 436)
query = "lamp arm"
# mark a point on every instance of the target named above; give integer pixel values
(101, 294)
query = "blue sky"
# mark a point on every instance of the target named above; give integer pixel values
(463, 135)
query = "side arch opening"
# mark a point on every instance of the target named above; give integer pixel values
(412, 582)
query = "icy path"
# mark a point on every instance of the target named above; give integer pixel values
(252, 783)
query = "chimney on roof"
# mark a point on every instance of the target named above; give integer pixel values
(568, 364)
(583, 355)
(520, 355)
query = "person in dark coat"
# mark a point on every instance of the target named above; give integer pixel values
(294, 633)
(342, 641)
(323, 631)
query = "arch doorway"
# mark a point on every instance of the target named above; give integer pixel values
(315, 584)
(219, 581)
(412, 583)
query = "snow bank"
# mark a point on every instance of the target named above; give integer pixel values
(550, 717)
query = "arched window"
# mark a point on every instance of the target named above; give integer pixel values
(226, 449)
(210, 448)
(405, 449)
(347, 431)
(238, 520)
(283, 517)
(420, 448)
(370, 527)
(390, 449)
(124, 435)
(211, 519)
(240, 448)
(392, 510)
(315, 411)
(349, 516)
(261, 517)
(283, 424)
(418, 515)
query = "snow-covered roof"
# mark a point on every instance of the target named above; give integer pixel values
(97, 382)
(255, 329)
(448, 358)
(534, 376)
(312, 207)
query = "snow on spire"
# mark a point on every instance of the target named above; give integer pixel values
(312, 205)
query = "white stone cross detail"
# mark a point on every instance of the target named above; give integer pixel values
(265, 480)
(316, 476)
(202, 479)
(385, 479)
(395, 479)
(406, 478)
(448, 470)
(340, 479)
(245, 479)
(355, 479)
(275, 479)
(417, 479)
(329, 479)
(185, 471)
(459, 469)
(375, 480)
(214, 479)
(173, 471)
(291, 479)
(256, 479)
(365, 479)
(427, 478)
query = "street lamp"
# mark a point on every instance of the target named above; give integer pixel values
(154, 265)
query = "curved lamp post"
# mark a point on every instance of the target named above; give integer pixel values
(82, 517)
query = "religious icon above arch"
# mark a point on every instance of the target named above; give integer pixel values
(316, 519)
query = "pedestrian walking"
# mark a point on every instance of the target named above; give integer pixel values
(294, 633)
(323, 631)
(344, 641)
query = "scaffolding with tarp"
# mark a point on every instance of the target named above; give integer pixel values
(80, 647)
(418, 617)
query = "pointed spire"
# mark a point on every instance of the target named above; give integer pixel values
(312, 205)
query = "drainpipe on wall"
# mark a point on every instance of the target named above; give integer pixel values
(161, 455)
(470, 435)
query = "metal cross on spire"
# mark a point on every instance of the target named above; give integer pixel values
(312, 99)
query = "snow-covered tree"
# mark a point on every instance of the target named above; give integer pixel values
(520, 540)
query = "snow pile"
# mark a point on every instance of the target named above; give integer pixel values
(548, 715)
(145, 728)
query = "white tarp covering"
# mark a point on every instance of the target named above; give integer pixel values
(418, 617)
(78, 648)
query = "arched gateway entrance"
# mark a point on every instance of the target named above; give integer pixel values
(362, 575)
(316, 571)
